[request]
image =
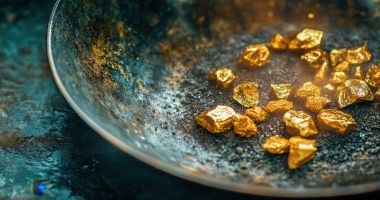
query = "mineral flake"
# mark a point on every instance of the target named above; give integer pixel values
(342, 67)
(353, 91)
(307, 89)
(246, 94)
(279, 105)
(244, 126)
(276, 145)
(217, 119)
(315, 104)
(301, 151)
(315, 58)
(338, 77)
(278, 43)
(373, 76)
(281, 91)
(306, 40)
(359, 55)
(336, 121)
(299, 123)
(358, 73)
(257, 114)
(321, 73)
(255, 56)
(338, 56)
(223, 77)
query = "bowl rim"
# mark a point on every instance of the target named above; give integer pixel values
(184, 174)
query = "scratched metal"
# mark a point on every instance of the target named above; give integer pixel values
(137, 70)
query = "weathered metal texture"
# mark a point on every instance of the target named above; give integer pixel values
(136, 71)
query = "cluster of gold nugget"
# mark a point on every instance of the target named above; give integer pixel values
(299, 125)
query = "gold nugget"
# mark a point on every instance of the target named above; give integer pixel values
(276, 145)
(255, 56)
(281, 91)
(315, 58)
(307, 89)
(359, 74)
(373, 76)
(338, 56)
(342, 67)
(329, 88)
(353, 91)
(338, 77)
(316, 104)
(306, 40)
(217, 119)
(299, 123)
(278, 43)
(359, 55)
(257, 114)
(320, 75)
(246, 94)
(244, 126)
(279, 105)
(336, 121)
(223, 77)
(301, 151)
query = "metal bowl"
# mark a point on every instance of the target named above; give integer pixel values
(136, 72)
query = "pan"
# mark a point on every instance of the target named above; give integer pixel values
(136, 72)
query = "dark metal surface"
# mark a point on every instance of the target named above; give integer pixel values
(42, 138)
(136, 72)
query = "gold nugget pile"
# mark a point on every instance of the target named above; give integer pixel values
(347, 85)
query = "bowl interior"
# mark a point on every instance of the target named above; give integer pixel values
(136, 71)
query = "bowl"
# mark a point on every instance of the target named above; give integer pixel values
(136, 72)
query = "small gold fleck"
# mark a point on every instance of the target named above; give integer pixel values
(279, 105)
(315, 58)
(373, 76)
(255, 56)
(217, 119)
(301, 151)
(320, 75)
(223, 77)
(307, 89)
(281, 91)
(310, 15)
(359, 55)
(359, 74)
(315, 104)
(257, 114)
(342, 67)
(244, 126)
(338, 77)
(299, 123)
(353, 91)
(278, 43)
(338, 56)
(306, 40)
(246, 94)
(276, 145)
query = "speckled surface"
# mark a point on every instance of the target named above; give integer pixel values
(42, 138)
(145, 76)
